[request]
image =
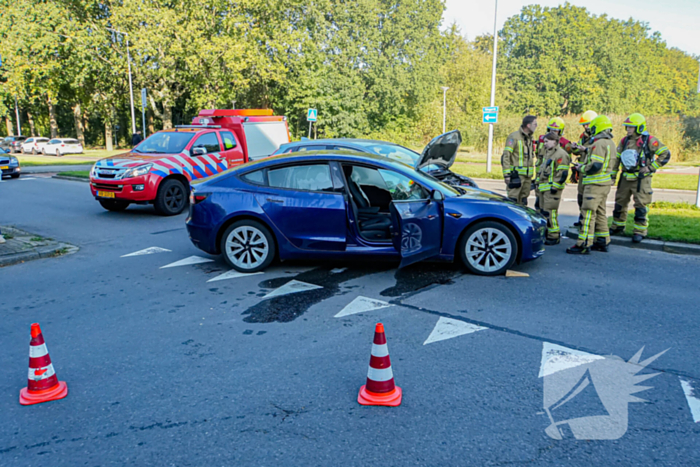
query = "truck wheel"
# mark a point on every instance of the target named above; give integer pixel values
(172, 198)
(248, 246)
(488, 248)
(115, 205)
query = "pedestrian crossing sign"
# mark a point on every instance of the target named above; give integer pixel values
(311, 115)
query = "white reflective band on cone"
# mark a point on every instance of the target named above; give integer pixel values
(384, 374)
(36, 351)
(380, 350)
(48, 374)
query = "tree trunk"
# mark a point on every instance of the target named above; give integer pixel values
(108, 136)
(31, 123)
(149, 121)
(78, 117)
(8, 125)
(167, 116)
(52, 118)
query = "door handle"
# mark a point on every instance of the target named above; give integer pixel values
(271, 200)
(432, 216)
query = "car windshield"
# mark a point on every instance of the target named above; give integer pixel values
(392, 151)
(167, 142)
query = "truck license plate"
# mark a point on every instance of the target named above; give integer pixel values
(105, 194)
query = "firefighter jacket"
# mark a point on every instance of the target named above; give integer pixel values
(597, 170)
(540, 151)
(518, 155)
(586, 141)
(554, 170)
(651, 153)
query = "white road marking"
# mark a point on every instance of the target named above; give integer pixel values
(338, 270)
(447, 328)
(692, 395)
(292, 287)
(362, 304)
(148, 251)
(569, 200)
(188, 261)
(27, 178)
(557, 358)
(233, 274)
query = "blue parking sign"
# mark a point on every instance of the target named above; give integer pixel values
(490, 117)
(311, 115)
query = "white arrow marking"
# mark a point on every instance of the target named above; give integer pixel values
(292, 287)
(362, 304)
(148, 251)
(693, 397)
(447, 328)
(338, 270)
(557, 358)
(27, 178)
(233, 274)
(188, 261)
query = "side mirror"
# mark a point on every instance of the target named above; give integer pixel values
(199, 151)
(437, 195)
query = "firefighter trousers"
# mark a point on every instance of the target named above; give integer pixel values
(550, 210)
(519, 195)
(627, 189)
(595, 220)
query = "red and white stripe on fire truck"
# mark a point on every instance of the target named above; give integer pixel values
(191, 167)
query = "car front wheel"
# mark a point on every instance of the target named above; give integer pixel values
(171, 198)
(488, 248)
(248, 246)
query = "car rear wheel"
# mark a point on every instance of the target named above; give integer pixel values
(488, 248)
(114, 204)
(34, 152)
(58, 152)
(248, 246)
(171, 198)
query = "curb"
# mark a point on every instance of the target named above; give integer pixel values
(654, 245)
(39, 253)
(46, 169)
(72, 179)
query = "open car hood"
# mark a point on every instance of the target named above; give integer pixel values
(441, 151)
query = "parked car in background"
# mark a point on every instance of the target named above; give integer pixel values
(34, 145)
(436, 159)
(12, 143)
(9, 165)
(160, 169)
(343, 204)
(62, 146)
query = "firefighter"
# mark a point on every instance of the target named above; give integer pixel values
(555, 125)
(597, 180)
(517, 161)
(639, 156)
(551, 181)
(579, 150)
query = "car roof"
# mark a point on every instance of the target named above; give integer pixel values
(325, 154)
(358, 141)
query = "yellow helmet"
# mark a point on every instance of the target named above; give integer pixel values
(587, 117)
(637, 121)
(600, 124)
(556, 123)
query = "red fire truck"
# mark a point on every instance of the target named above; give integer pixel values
(159, 170)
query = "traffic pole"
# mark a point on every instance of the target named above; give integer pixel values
(19, 127)
(493, 85)
(143, 121)
(310, 130)
(697, 192)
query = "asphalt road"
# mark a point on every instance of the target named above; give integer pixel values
(166, 367)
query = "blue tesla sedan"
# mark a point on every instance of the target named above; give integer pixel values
(342, 205)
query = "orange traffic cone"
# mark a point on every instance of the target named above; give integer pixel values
(43, 384)
(380, 388)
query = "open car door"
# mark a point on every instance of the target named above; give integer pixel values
(417, 229)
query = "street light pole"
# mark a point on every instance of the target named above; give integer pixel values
(131, 86)
(444, 106)
(493, 84)
(19, 127)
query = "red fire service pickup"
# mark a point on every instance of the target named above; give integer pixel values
(158, 171)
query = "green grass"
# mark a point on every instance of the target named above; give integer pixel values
(660, 181)
(88, 158)
(673, 222)
(76, 173)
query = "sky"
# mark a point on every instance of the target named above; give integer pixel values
(678, 20)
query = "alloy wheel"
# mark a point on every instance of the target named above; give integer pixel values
(488, 249)
(247, 247)
(174, 198)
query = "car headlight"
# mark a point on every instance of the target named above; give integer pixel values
(14, 162)
(93, 171)
(137, 171)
